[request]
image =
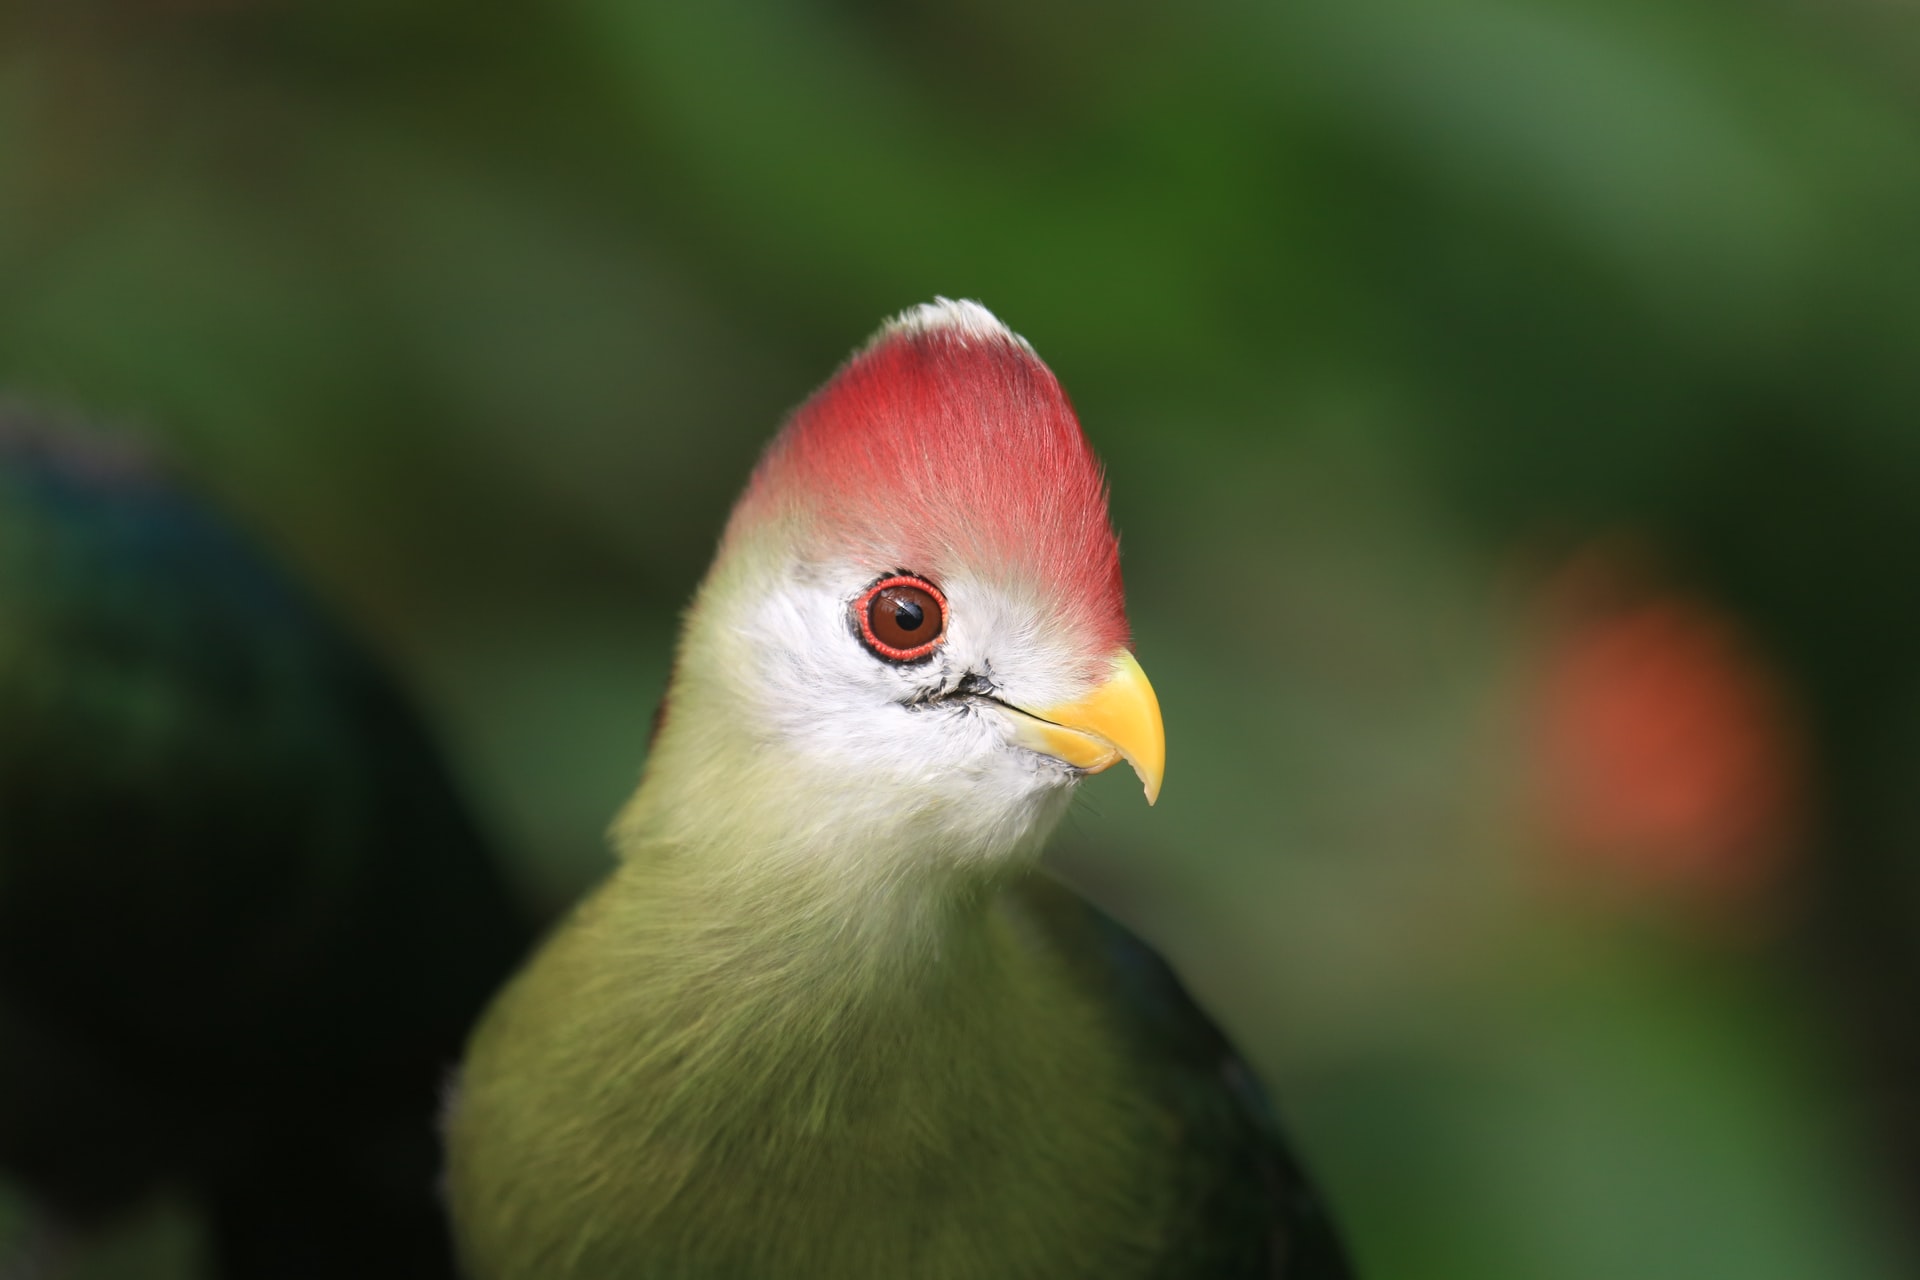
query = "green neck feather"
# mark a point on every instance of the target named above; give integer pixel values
(808, 1027)
(724, 1066)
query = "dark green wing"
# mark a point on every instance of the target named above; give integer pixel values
(245, 920)
(1251, 1212)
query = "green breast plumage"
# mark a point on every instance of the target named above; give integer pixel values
(669, 1092)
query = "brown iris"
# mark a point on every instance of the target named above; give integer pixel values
(902, 617)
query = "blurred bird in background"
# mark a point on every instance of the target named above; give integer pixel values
(245, 920)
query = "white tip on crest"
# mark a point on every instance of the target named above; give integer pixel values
(965, 319)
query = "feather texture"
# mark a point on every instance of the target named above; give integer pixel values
(946, 442)
(706, 1076)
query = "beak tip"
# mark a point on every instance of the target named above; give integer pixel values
(1149, 782)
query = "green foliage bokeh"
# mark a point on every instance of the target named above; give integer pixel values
(479, 314)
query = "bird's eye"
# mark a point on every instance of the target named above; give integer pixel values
(901, 618)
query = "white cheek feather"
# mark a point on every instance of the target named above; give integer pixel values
(864, 736)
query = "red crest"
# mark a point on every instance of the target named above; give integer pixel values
(947, 444)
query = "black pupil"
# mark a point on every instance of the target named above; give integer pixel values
(907, 615)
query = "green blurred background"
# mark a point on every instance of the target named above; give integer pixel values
(1511, 415)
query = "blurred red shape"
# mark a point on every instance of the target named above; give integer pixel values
(1667, 749)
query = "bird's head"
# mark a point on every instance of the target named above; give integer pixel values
(914, 630)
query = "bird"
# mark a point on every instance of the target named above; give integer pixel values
(828, 1015)
(246, 917)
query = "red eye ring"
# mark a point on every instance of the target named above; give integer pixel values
(908, 595)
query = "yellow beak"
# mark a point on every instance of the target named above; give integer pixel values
(1119, 720)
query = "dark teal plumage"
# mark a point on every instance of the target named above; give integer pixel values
(1253, 1212)
(245, 920)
